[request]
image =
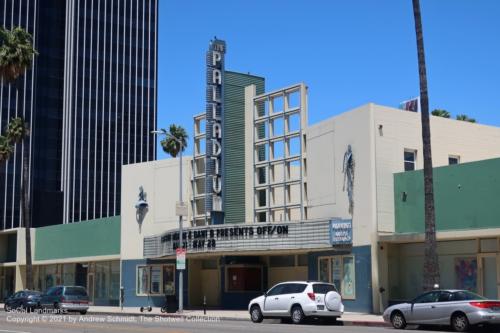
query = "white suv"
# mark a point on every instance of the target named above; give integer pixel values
(297, 300)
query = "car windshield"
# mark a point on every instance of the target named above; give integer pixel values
(75, 291)
(466, 295)
(323, 288)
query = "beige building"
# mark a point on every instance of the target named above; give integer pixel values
(382, 141)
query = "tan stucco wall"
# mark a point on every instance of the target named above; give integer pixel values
(160, 180)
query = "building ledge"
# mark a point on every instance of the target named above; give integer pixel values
(441, 235)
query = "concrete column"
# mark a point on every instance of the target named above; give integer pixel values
(20, 280)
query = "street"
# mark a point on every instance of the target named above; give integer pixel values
(24, 323)
(33, 323)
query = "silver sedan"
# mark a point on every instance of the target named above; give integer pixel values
(459, 309)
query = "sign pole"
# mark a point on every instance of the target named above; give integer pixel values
(181, 245)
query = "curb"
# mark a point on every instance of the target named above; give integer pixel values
(184, 316)
(165, 315)
(365, 323)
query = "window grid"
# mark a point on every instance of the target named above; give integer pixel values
(278, 157)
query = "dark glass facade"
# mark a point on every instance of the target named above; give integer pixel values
(94, 106)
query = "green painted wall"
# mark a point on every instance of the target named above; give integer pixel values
(83, 239)
(234, 143)
(467, 196)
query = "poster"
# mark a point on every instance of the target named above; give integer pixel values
(466, 273)
(348, 281)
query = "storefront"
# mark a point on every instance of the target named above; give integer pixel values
(468, 233)
(228, 265)
(100, 278)
(472, 264)
(7, 281)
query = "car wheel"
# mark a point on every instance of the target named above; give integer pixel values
(398, 321)
(297, 315)
(7, 307)
(256, 314)
(460, 323)
(83, 312)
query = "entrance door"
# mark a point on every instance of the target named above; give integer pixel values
(489, 276)
(211, 286)
(90, 287)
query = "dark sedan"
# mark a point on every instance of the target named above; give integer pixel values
(25, 299)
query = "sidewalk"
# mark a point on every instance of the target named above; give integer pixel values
(348, 319)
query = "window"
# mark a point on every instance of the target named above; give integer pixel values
(75, 291)
(294, 288)
(142, 280)
(445, 296)
(410, 156)
(340, 271)
(169, 279)
(261, 217)
(277, 290)
(244, 278)
(466, 296)
(261, 175)
(430, 297)
(323, 288)
(453, 159)
(156, 279)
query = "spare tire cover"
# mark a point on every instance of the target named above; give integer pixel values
(333, 301)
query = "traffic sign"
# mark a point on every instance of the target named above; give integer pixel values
(181, 258)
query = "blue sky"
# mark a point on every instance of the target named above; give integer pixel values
(349, 52)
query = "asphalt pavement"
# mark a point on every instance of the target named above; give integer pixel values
(37, 323)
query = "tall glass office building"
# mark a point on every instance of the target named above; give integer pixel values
(90, 100)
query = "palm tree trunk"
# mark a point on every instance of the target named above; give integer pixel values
(431, 261)
(26, 213)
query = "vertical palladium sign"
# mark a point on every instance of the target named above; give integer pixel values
(214, 114)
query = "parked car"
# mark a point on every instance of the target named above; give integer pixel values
(66, 298)
(25, 299)
(459, 309)
(297, 300)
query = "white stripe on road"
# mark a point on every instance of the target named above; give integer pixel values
(13, 331)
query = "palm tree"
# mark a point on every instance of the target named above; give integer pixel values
(16, 53)
(6, 149)
(16, 56)
(431, 261)
(440, 113)
(170, 145)
(464, 117)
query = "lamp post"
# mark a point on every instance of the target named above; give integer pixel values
(181, 292)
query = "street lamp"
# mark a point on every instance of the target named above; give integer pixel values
(164, 132)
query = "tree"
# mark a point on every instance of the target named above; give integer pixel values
(440, 113)
(6, 149)
(16, 56)
(464, 117)
(16, 53)
(431, 262)
(169, 144)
